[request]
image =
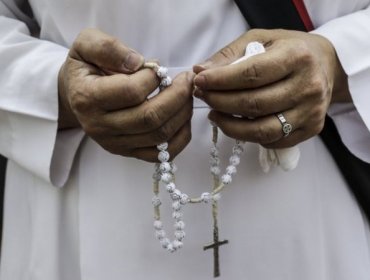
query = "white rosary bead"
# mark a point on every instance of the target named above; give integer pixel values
(160, 234)
(171, 248)
(214, 151)
(156, 176)
(165, 167)
(176, 205)
(163, 156)
(234, 160)
(215, 170)
(158, 225)
(165, 242)
(176, 195)
(184, 199)
(226, 179)
(162, 72)
(165, 82)
(206, 197)
(177, 244)
(173, 167)
(238, 149)
(166, 178)
(216, 197)
(156, 201)
(180, 225)
(214, 161)
(162, 147)
(171, 187)
(177, 215)
(180, 235)
(231, 170)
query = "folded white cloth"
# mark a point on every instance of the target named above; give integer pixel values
(287, 158)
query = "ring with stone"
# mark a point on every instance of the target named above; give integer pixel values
(286, 127)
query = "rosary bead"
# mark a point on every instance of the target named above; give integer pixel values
(231, 170)
(162, 72)
(171, 187)
(214, 161)
(177, 215)
(226, 179)
(177, 244)
(180, 225)
(184, 199)
(158, 225)
(165, 167)
(165, 242)
(214, 151)
(165, 82)
(171, 248)
(163, 156)
(156, 176)
(176, 195)
(176, 205)
(180, 235)
(162, 147)
(156, 201)
(215, 170)
(216, 197)
(160, 234)
(206, 197)
(166, 178)
(173, 167)
(234, 160)
(238, 149)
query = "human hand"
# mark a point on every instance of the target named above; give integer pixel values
(103, 89)
(299, 76)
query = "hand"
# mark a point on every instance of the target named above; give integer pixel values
(299, 76)
(104, 89)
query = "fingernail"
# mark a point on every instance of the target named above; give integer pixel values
(200, 81)
(132, 62)
(198, 93)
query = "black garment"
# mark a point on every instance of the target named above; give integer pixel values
(2, 187)
(270, 14)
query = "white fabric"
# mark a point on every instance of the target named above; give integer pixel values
(304, 224)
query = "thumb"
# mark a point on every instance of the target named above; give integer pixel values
(106, 52)
(225, 56)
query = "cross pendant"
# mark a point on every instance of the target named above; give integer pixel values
(215, 246)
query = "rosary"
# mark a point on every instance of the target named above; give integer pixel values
(165, 173)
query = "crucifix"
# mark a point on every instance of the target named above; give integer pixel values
(215, 246)
(216, 242)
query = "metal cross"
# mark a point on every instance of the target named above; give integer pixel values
(215, 246)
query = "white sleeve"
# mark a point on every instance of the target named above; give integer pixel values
(350, 36)
(29, 101)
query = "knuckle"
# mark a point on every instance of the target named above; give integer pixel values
(251, 74)
(133, 92)
(227, 52)
(151, 118)
(264, 135)
(79, 101)
(251, 107)
(162, 134)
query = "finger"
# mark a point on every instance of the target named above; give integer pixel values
(162, 134)
(122, 91)
(264, 101)
(293, 139)
(263, 130)
(106, 52)
(176, 145)
(152, 114)
(257, 71)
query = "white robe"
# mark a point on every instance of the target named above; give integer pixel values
(73, 211)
